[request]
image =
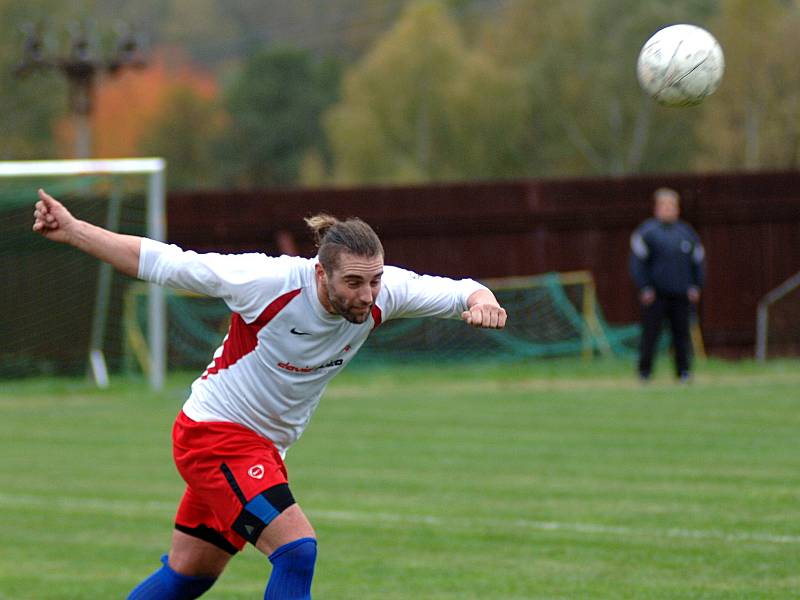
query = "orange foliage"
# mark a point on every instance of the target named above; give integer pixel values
(126, 103)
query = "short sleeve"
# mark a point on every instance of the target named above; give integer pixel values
(407, 294)
(243, 281)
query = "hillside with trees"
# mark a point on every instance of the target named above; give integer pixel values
(312, 92)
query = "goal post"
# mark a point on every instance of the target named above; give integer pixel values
(154, 169)
(763, 310)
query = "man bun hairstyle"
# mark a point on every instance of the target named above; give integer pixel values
(333, 237)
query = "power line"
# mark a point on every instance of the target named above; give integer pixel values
(82, 64)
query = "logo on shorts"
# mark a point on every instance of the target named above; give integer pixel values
(256, 471)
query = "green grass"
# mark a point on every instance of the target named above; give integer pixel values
(559, 479)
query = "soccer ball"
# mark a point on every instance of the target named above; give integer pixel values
(680, 65)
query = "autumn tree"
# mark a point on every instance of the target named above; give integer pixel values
(753, 120)
(420, 105)
(129, 106)
(184, 133)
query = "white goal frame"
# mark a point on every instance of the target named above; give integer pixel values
(155, 170)
(762, 313)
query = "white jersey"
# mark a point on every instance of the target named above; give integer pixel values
(283, 347)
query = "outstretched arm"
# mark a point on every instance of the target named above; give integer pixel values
(54, 221)
(484, 310)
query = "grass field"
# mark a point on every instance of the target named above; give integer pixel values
(555, 480)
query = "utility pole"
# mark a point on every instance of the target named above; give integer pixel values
(82, 64)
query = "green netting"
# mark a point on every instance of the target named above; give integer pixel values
(546, 318)
(549, 315)
(48, 296)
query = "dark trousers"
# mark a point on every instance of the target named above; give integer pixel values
(676, 310)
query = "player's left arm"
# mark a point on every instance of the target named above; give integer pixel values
(405, 294)
(483, 310)
(53, 221)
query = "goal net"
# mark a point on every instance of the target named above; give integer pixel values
(778, 320)
(61, 309)
(555, 314)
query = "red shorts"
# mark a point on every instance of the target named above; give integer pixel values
(231, 474)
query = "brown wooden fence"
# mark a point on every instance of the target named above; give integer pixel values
(749, 224)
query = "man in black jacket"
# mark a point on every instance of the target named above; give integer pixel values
(667, 267)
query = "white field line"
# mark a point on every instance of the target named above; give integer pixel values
(132, 508)
(587, 528)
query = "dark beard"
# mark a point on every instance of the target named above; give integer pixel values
(345, 312)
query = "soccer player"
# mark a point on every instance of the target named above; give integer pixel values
(667, 268)
(296, 323)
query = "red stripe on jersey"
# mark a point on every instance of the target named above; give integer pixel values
(242, 338)
(377, 315)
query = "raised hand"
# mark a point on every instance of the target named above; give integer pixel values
(51, 219)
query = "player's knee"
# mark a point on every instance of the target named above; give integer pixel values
(167, 584)
(292, 570)
(299, 555)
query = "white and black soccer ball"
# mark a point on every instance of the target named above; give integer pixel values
(680, 65)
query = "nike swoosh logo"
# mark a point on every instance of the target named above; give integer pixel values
(294, 331)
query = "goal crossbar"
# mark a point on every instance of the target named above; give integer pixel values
(44, 168)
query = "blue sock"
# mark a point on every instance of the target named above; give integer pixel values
(292, 570)
(166, 584)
